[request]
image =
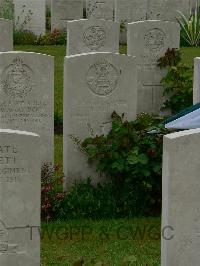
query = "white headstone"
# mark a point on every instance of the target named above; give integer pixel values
(85, 36)
(130, 10)
(167, 9)
(30, 15)
(63, 11)
(149, 40)
(27, 96)
(20, 189)
(106, 82)
(196, 88)
(100, 9)
(6, 35)
(127, 11)
(181, 197)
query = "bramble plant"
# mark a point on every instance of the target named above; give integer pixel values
(178, 82)
(131, 158)
(51, 191)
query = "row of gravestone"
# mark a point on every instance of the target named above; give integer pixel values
(95, 85)
(31, 14)
(106, 82)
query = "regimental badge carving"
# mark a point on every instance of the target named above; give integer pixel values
(102, 78)
(3, 238)
(94, 37)
(155, 40)
(17, 79)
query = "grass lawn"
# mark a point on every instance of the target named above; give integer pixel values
(109, 241)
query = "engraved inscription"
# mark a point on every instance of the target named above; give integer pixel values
(94, 37)
(30, 113)
(155, 40)
(3, 238)
(17, 79)
(102, 78)
(9, 171)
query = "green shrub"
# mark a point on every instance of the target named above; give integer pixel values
(85, 200)
(131, 158)
(178, 82)
(56, 37)
(24, 37)
(51, 193)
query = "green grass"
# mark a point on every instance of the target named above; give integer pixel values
(108, 241)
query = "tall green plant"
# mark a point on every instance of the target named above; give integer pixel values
(190, 27)
(177, 83)
(131, 159)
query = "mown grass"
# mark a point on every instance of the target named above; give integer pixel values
(111, 242)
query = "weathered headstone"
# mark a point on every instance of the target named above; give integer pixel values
(167, 9)
(100, 9)
(6, 35)
(20, 189)
(130, 10)
(27, 96)
(196, 88)
(91, 35)
(30, 15)
(180, 210)
(149, 40)
(127, 11)
(63, 11)
(106, 82)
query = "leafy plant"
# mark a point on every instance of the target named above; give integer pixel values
(178, 83)
(51, 194)
(190, 27)
(24, 37)
(84, 200)
(131, 158)
(56, 37)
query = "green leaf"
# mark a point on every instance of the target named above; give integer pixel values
(119, 165)
(132, 159)
(143, 159)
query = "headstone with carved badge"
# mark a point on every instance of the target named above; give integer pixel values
(106, 83)
(27, 96)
